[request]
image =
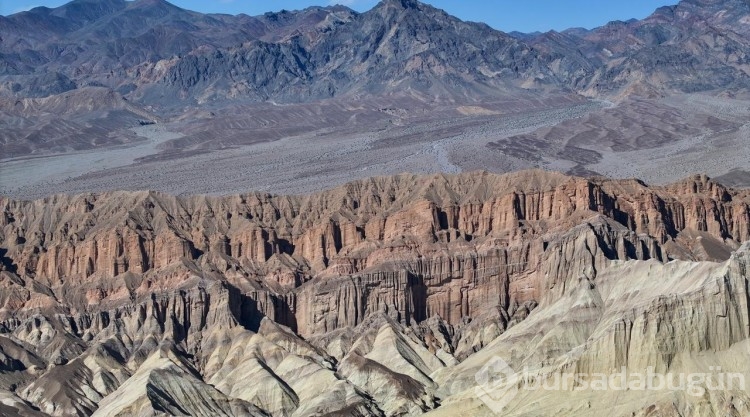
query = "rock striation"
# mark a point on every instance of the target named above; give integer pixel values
(673, 320)
(356, 300)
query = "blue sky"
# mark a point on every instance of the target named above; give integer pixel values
(506, 15)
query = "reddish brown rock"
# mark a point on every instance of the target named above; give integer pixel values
(448, 246)
(97, 284)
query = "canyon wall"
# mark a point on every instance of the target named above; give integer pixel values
(415, 247)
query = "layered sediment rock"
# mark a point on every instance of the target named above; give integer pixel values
(436, 267)
(686, 324)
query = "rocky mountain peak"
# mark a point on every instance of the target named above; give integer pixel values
(156, 9)
(343, 52)
(80, 5)
(414, 9)
(402, 4)
(153, 3)
(722, 3)
(66, 18)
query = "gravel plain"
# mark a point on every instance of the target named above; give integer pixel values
(700, 134)
(291, 165)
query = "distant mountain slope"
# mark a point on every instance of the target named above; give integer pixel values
(696, 45)
(399, 45)
(104, 42)
(166, 55)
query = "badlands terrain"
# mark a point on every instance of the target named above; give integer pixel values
(388, 213)
(385, 296)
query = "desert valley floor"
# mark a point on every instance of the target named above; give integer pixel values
(295, 149)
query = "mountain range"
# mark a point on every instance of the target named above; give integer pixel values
(155, 53)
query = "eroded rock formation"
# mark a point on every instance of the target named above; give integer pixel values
(355, 300)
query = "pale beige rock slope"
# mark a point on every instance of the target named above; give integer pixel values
(679, 318)
(381, 297)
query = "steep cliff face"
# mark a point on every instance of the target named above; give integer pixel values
(435, 243)
(103, 290)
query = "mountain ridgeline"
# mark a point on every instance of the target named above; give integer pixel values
(155, 53)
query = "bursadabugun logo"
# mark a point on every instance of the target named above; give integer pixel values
(497, 384)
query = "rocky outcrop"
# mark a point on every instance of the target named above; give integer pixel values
(372, 289)
(414, 247)
(636, 318)
(151, 231)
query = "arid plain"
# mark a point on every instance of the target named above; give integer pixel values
(300, 148)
